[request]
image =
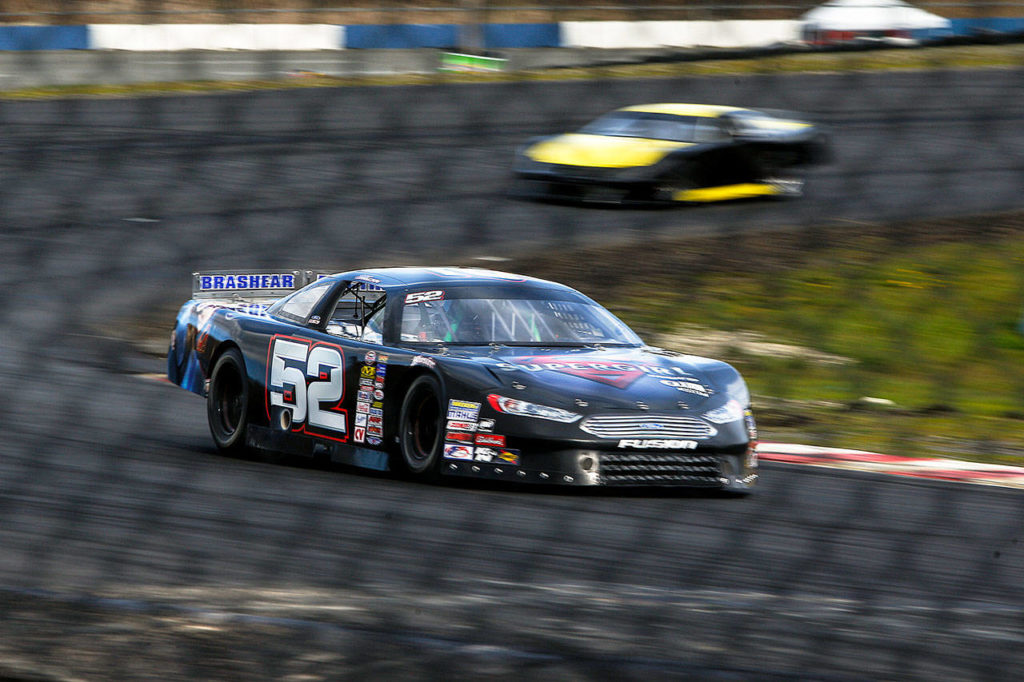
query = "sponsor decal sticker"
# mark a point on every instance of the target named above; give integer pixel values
(367, 383)
(458, 452)
(359, 434)
(383, 358)
(613, 372)
(657, 444)
(509, 456)
(376, 421)
(366, 371)
(688, 386)
(377, 404)
(365, 396)
(378, 394)
(234, 282)
(373, 440)
(376, 412)
(423, 297)
(375, 431)
(485, 454)
(371, 357)
(463, 410)
(424, 361)
(497, 455)
(461, 426)
(360, 420)
(486, 425)
(459, 436)
(748, 417)
(363, 407)
(490, 439)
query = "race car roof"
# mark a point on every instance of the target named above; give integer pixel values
(411, 277)
(679, 109)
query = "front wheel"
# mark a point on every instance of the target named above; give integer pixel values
(672, 187)
(227, 402)
(421, 434)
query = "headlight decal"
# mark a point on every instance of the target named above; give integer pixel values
(730, 412)
(522, 408)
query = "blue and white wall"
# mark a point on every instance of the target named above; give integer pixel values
(572, 34)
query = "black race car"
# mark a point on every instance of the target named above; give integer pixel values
(459, 372)
(662, 153)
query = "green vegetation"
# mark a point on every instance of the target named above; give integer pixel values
(976, 56)
(871, 341)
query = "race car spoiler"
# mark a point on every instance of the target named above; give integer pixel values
(248, 284)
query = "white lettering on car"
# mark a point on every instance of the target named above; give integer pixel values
(308, 380)
(657, 444)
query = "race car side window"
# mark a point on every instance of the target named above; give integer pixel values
(299, 306)
(710, 130)
(358, 314)
(373, 331)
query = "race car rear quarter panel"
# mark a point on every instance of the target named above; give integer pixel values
(373, 378)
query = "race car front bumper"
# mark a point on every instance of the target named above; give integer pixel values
(734, 469)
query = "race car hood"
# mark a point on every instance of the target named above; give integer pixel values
(616, 378)
(603, 151)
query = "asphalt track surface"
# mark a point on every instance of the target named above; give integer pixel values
(131, 550)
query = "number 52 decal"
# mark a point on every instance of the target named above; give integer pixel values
(306, 379)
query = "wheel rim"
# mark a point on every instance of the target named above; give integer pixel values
(229, 402)
(422, 431)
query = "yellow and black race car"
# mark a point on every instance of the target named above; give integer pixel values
(654, 153)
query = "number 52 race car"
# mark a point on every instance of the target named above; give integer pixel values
(455, 372)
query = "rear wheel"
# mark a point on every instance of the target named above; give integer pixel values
(421, 434)
(227, 402)
(787, 186)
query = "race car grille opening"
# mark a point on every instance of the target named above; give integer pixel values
(647, 468)
(648, 427)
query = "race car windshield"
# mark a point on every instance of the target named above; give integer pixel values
(651, 126)
(513, 322)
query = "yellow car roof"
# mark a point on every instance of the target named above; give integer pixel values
(676, 109)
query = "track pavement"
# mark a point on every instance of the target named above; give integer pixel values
(122, 531)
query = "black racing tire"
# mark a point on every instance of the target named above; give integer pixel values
(227, 402)
(789, 186)
(421, 429)
(678, 180)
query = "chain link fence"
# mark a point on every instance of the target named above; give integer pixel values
(130, 550)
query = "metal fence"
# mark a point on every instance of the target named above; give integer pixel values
(130, 550)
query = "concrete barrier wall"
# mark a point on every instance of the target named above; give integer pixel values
(44, 37)
(401, 36)
(633, 34)
(448, 36)
(987, 25)
(163, 37)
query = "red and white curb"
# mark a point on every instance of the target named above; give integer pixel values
(921, 467)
